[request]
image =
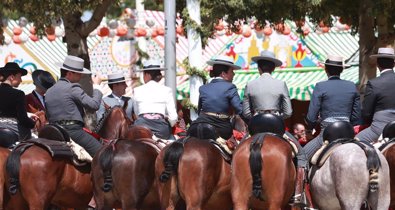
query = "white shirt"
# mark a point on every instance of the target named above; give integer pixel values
(40, 97)
(155, 98)
(119, 99)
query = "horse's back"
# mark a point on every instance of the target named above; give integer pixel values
(343, 180)
(277, 174)
(204, 175)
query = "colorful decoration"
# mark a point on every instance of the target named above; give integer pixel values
(299, 54)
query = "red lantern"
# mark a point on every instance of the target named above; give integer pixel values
(325, 29)
(287, 30)
(161, 31)
(267, 31)
(50, 30)
(300, 23)
(247, 32)
(122, 31)
(239, 30)
(141, 32)
(34, 37)
(51, 37)
(32, 30)
(154, 33)
(306, 31)
(220, 26)
(258, 27)
(16, 39)
(17, 31)
(103, 31)
(180, 30)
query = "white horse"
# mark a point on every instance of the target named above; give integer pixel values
(344, 182)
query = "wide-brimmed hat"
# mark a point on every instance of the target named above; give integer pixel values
(223, 60)
(384, 52)
(335, 60)
(12, 67)
(43, 79)
(116, 78)
(151, 65)
(267, 56)
(74, 64)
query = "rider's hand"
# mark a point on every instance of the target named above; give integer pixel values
(32, 116)
(96, 79)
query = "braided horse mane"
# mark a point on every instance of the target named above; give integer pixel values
(104, 117)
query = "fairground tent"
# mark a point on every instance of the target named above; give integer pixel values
(301, 69)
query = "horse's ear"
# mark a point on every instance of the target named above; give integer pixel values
(32, 109)
(106, 106)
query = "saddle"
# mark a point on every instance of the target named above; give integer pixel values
(7, 137)
(327, 149)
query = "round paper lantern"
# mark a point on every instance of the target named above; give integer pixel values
(113, 24)
(279, 27)
(306, 31)
(180, 30)
(103, 31)
(258, 27)
(122, 31)
(32, 30)
(300, 23)
(220, 26)
(161, 31)
(128, 12)
(154, 33)
(287, 30)
(247, 31)
(17, 31)
(228, 32)
(16, 39)
(56, 22)
(267, 30)
(50, 30)
(130, 22)
(221, 32)
(59, 32)
(33, 37)
(23, 37)
(22, 22)
(325, 29)
(51, 37)
(141, 32)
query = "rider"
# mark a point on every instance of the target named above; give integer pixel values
(269, 95)
(152, 101)
(118, 86)
(333, 100)
(217, 97)
(43, 80)
(13, 115)
(379, 104)
(66, 100)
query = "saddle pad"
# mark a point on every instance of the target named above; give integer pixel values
(386, 145)
(293, 145)
(326, 150)
(55, 148)
(220, 144)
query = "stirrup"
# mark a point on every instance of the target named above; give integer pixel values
(299, 200)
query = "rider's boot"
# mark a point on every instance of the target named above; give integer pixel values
(299, 198)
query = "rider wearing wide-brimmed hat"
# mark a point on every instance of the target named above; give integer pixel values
(219, 99)
(66, 101)
(154, 103)
(13, 115)
(43, 80)
(379, 105)
(117, 84)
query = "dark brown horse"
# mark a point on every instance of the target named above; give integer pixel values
(123, 175)
(3, 157)
(389, 154)
(263, 174)
(41, 180)
(193, 170)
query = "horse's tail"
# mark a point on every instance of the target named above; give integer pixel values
(373, 163)
(171, 159)
(13, 167)
(256, 165)
(105, 162)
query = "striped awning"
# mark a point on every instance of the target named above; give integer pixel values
(300, 82)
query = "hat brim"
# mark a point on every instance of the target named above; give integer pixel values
(84, 70)
(382, 56)
(22, 71)
(150, 69)
(115, 82)
(332, 64)
(276, 62)
(214, 62)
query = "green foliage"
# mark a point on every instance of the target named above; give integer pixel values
(193, 71)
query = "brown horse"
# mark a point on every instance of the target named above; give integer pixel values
(263, 168)
(389, 154)
(198, 174)
(41, 180)
(3, 157)
(123, 175)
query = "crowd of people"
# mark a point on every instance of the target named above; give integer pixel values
(152, 104)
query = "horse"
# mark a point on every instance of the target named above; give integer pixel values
(3, 157)
(263, 172)
(40, 180)
(192, 170)
(388, 152)
(351, 175)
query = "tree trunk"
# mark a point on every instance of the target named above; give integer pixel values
(367, 43)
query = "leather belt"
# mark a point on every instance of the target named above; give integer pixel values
(217, 115)
(69, 122)
(8, 120)
(268, 111)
